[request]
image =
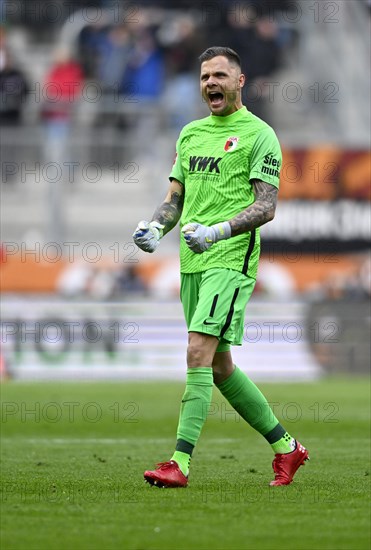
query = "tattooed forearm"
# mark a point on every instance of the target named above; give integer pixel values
(169, 212)
(258, 213)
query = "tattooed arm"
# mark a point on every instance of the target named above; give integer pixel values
(148, 234)
(169, 212)
(258, 213)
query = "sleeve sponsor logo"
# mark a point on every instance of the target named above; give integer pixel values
(271, 166)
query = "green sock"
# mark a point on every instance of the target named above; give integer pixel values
(286, 444)
(248, 401)
(251, 404)
(183, 460)
(193, 412)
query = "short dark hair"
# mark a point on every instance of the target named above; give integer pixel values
(214, 51)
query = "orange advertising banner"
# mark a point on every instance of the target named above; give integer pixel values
(325, 173)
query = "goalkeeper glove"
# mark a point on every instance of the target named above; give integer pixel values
(200, 237)
(147, 235)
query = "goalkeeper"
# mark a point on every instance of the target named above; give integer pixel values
(223, 187)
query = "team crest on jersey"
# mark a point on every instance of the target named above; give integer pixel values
(231, 144)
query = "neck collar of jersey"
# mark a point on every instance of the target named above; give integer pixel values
(222, 120)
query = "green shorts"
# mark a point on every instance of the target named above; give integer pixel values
(214, 302)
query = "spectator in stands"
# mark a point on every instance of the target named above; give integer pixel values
(354, 286)
(101, 285)
(183, 43)
(74, 279)
(145, 71)
(255, 34)
(141, 89)
(114, 57)
(128, 281)
(62, 88)
(90, 44)
(13, 89)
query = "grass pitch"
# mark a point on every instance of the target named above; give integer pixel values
(73, 456)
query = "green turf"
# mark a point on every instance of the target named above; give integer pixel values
(73, 457)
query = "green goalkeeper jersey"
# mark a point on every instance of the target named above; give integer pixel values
(217, 157)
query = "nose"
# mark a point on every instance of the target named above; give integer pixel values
(210, 81)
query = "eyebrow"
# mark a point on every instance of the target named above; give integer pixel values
(216, 73)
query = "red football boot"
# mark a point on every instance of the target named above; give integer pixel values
(167, 474)
(285, 465)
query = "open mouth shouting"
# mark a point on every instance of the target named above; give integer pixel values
(215, 99)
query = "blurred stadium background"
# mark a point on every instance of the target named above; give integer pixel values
(92, 97)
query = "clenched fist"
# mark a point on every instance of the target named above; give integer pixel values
(147, 235)
(200, 237)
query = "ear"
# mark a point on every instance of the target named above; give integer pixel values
(241, 80)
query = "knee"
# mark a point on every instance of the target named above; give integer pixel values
(195, 355)
(201, 349)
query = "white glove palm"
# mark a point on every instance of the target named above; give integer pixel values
(147, 235)
(201, 237)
